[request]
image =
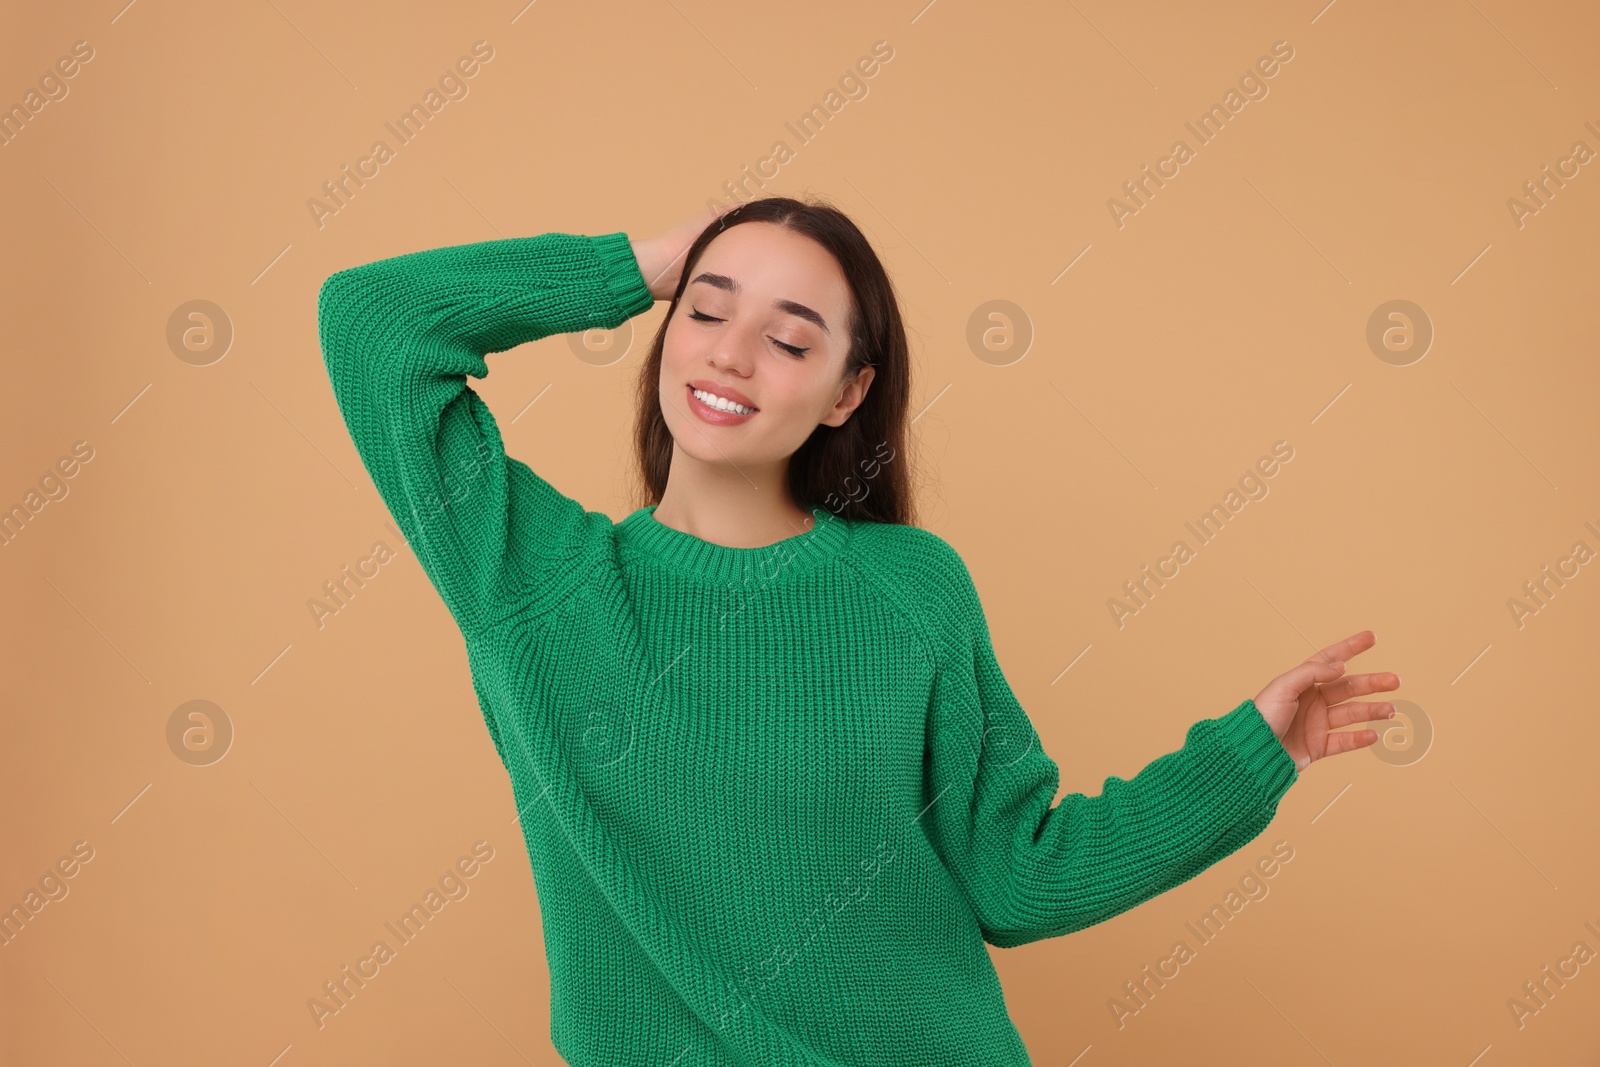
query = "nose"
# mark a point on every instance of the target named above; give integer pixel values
(733, 351)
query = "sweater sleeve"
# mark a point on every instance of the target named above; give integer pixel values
(399, 337)
(1031, 868)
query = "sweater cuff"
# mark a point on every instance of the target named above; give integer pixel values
(620, 271)
(1244, 732)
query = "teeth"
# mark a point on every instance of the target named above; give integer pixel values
(721, 403)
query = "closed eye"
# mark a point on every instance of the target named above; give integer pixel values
(699, 316)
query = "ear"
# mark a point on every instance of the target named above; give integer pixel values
(850, 397)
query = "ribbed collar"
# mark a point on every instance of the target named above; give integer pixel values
(640, 532)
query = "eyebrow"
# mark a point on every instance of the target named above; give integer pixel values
(722, 281)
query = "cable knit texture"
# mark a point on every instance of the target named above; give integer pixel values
(775, 799)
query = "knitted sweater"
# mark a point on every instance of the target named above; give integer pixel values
(776, 800)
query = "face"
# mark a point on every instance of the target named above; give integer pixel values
(763, 323)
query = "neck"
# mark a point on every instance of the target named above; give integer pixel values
(745, 507)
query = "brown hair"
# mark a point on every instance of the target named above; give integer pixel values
(858, 470)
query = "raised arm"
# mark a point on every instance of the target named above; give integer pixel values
(1032, 868)
(400, 335)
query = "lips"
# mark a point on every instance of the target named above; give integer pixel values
(715, 416)
(727, 392)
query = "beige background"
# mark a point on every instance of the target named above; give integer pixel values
(1229, 313)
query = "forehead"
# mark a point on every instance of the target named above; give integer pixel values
(771, 262)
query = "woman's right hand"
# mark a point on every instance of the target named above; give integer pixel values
(661, 258)
(1306, 704)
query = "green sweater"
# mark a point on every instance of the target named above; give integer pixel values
(775, 799)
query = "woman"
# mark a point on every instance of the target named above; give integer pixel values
(775, 789)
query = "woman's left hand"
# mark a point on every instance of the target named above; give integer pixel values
(1305, 705)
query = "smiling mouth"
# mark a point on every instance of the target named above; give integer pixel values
(721, 405)
(714, 410)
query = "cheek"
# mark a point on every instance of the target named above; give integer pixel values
(798, 397)
(677, 349)
(678, 365)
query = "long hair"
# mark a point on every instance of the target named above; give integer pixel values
(859, 470)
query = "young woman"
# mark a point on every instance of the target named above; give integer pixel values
(774, 787)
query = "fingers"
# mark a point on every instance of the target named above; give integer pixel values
(1345, 715)
(1359, 711)
(1312, 671)
(1356, 685)
(1347, 649)
(1350, 742)
(1291, 686)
